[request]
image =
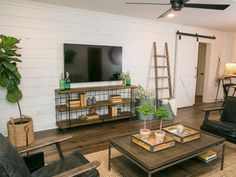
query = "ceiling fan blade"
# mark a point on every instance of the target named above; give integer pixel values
(147, 3)
(207, 6)
(165, 13)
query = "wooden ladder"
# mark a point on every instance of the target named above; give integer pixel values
(157, 77)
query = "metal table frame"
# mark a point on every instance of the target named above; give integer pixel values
(150, 172)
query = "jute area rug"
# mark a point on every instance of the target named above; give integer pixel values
(214, 171)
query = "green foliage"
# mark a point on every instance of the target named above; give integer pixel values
(145, 109)
(161, 113)
(9, 74)
(141, 93)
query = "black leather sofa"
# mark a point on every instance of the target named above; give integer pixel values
(226, 125)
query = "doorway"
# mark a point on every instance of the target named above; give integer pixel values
(201, 65)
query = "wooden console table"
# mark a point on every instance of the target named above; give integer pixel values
(69, 115)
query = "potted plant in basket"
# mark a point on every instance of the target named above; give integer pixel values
(142, 96)
(10, 78)
(145, 109)
(160, 113)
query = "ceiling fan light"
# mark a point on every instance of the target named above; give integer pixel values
(170, 15)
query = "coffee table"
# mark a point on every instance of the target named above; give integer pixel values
(136, 161)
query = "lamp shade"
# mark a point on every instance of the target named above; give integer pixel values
(230, 69)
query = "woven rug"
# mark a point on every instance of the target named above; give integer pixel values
(213, 171)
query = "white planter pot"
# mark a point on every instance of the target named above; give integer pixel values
(159, 135)
(144, 134)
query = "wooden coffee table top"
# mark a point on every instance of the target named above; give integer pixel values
(155, 160)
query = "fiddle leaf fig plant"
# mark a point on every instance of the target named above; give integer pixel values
(9, 74)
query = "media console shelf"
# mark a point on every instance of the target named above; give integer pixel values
(106, 103)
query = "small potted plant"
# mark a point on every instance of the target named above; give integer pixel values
(126, 78)
(142, 96)
(160, 113)
(145, 109)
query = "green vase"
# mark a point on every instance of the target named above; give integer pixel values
(62, 82)
(128, 81)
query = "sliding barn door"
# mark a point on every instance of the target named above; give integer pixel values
(186, 71)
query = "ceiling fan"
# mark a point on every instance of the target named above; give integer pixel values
(177, 5)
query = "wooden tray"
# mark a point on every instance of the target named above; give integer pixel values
(189, 134)
(151, 144)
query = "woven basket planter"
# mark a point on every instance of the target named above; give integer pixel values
(18, 133)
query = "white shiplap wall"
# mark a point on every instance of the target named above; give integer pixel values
(44, 28)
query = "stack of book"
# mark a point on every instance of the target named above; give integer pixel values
(83, 99)
(112, 111)
(115, 98)
(207, 156)
(73, 103)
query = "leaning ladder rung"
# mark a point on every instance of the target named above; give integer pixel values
(161, 56)
(166, 98)
(163, 77)
(162, 66)
(163, 88)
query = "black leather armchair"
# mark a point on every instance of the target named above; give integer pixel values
(226, 126)
(13, 165)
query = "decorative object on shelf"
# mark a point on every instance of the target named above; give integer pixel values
(189, 134)
(20, 130)
(151, 145)
(94, 100)
(93, 116)
(115, 98)
(126, 78)
(83, 99)
(89, 101)
(82, 117)
(62, 82)
(160, 113)
(92, 110)
(73, 103)
(112, 111)
(145, 109)
(67, 81)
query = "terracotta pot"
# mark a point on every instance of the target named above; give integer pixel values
(144, 134)
(19, 134)
(160, 135)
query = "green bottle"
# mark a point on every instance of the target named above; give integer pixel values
(67, 81)
(128, 80)
(62, 82)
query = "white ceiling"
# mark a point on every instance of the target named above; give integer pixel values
(214, 19)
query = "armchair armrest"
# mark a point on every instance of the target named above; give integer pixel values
(79, 170)
(49, 142)
(207, 111)
(213, 109)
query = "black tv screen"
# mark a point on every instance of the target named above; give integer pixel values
(92, 63)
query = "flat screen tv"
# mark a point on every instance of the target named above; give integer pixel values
(92, 63)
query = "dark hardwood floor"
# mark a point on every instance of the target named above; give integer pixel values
(93, 138)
